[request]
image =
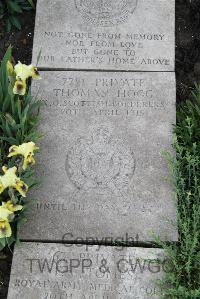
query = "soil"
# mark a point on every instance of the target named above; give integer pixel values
(187, 70)
(187, 46)
(5, 266)
(21, 40)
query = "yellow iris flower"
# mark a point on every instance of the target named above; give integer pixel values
(9, 179)
(10, 206)
(5, 229)
(26, 150)
(10, 68)
(24, 71)
(34, 72)
(20, 87)
(4, 213)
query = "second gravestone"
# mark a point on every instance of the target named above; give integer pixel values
(105, 34)
(56, 271)
(101, 163)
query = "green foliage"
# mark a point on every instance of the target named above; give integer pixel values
(19, 116)
(11, 9)
(184, 281)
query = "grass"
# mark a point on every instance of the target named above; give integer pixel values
(184, 281)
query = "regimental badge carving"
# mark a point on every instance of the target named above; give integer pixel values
(106, 12)
(100, 162)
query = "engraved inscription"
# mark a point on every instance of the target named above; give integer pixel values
(106, 12)
(103, 135)
(69, 271)
(100, 162)
(105, 35)
(112, 48)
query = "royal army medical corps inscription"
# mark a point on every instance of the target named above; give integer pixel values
(100, 162)
(106, 12)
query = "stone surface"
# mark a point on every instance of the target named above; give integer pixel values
(53, 271)
(105, 34)
(103, 175)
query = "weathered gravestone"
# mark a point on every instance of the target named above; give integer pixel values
(53, 271)
(105, 34)
(101, 163)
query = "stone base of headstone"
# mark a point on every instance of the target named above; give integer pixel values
(63, 271)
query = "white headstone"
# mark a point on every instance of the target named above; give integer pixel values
(105, 34)
(54, 271)
(103, 174)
